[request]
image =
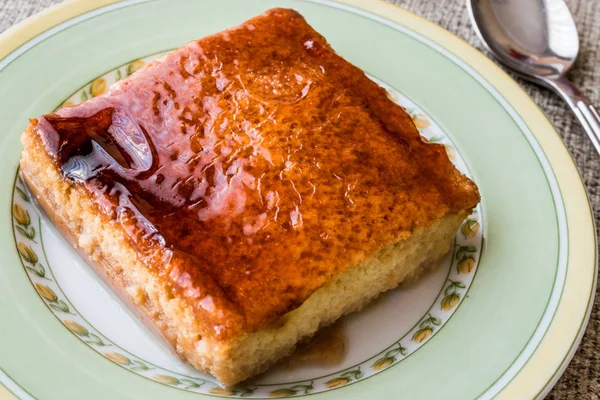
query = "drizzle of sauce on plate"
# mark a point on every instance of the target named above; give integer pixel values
(327, 348)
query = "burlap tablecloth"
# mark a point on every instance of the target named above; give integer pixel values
(582, 378)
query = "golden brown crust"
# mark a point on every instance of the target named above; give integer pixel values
(271, 166)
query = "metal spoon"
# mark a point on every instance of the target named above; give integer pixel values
(538, 39)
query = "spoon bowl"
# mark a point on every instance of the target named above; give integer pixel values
(538, 40)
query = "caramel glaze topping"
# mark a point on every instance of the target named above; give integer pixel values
(250, 167)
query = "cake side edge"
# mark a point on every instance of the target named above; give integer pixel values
(349, 292)
(104, 245)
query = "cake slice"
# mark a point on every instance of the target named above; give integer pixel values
(245, 190)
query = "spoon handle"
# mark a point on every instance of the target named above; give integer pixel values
(582, 107)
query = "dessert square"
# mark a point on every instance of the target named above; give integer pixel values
(245, 190)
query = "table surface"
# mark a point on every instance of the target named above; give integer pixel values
(582, 378)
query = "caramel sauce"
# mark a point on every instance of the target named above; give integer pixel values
(250, 167)
(327, 348)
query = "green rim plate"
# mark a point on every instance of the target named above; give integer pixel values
(525, 311)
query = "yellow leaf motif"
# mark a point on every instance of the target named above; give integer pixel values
(118, 358)
(422, 335)
(98, 87)
(76, 328)
(166, 379)
(451, 153)
(337, 382)
(470, 228)
(221, 391)
(21, 215)
(421, 121)
(466, 265)
(67, 103)
(393, 96)
(134, 66)
(282, 393)
(450, 302)
(46, 292)
(27, 254)
(383, 363)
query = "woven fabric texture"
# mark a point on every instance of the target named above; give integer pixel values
(581, 380)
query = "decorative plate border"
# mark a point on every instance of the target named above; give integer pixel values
(30, 246)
